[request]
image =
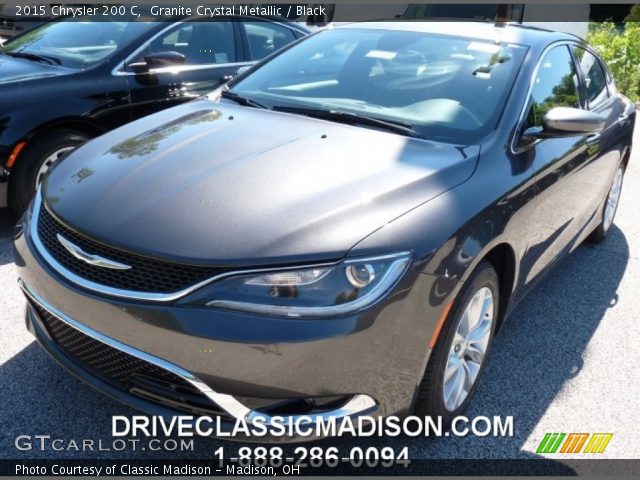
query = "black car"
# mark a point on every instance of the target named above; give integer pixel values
(68, 81)
(338, 232)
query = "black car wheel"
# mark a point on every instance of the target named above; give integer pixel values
(35, 161)
(460, 354)
(610, 208)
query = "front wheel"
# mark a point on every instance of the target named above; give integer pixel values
(460, 354)
(610, 208)
(34, 162)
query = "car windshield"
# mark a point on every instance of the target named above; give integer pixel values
(443, 88)
(75, 44)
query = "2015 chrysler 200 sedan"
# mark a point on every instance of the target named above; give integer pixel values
(338, 231)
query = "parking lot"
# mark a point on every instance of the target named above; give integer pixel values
(567, 361)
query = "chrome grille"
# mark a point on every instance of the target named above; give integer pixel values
(146, 275)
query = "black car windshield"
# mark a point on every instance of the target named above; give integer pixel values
(444, 88)
(75, 44)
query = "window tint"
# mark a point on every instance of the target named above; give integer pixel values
(265, 38)
(555, 85)
(200, 42)
(594, 77)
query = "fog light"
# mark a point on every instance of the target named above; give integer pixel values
(360, 275)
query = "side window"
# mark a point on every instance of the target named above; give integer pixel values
(594, 77)
(555, 85)
(265, 38)
(200, 42)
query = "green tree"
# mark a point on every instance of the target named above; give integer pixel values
(634, 14)
(620, 49)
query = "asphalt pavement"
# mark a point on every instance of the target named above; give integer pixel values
(566, 361)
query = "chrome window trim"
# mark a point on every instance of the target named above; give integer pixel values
(130, 294)
(178, 68)
(119, 69)
(610, 94)
(569, 43)
(513, 144)
(359, 404)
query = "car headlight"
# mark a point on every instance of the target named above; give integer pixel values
(320, 291)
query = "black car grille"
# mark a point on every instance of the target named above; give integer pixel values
(124, 371)
(145, 275)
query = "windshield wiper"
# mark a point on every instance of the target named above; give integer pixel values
(245, 101)
(35, 57)
(352, 119)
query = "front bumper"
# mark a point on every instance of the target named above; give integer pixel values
(231, 409)
(373, 360)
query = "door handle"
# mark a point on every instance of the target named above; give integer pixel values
(226, 78)
(623, 117)
(593, 139)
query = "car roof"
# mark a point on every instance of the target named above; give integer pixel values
(506, 32)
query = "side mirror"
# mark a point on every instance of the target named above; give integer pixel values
(158, 60)
(566, 121)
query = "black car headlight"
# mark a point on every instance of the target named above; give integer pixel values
(319, 291)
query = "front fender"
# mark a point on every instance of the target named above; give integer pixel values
(453, 232)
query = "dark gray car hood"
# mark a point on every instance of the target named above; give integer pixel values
(216, 183)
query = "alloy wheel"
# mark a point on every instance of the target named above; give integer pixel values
(468, 349)
(612, 200)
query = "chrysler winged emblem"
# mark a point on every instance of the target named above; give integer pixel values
(89, 258)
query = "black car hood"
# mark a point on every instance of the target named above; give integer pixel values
(20, 70)
(216, 183)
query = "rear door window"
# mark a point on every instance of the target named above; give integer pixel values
(202, 43)
(595, 79)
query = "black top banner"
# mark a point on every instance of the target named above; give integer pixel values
(314, 14)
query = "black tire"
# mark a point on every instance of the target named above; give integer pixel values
(601, 232)
(22, 184)
(430, 397)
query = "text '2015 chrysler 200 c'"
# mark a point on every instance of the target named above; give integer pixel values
(337, 232)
